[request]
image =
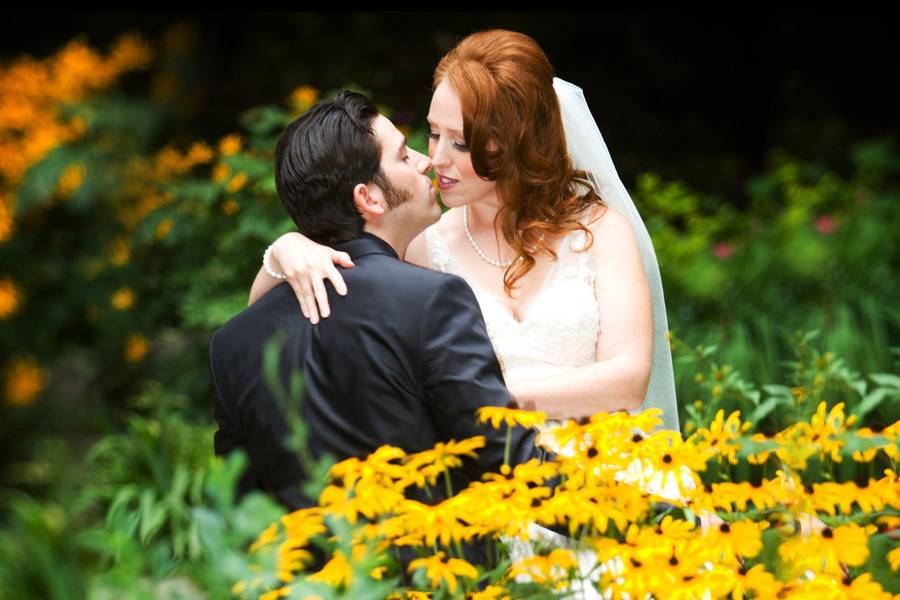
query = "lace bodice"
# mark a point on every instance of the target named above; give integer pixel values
(559, 330)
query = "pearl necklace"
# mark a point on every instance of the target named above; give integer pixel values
(490, 261)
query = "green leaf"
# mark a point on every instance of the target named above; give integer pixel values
(221, 483)
(314, 589)
(879, 546)
(38, 185)
(754, 396)
(123, 497)
(153, 515)
(870, 402)
(763, 410)
(211, 529)
(202, 191)
(854, 443)
(778, 390)
(886, 380)
(750, 447)
(366, 588)
(709, 350)
(264, 120)
(134, 120)
(201, 311)
(180, 482)
(256, 512)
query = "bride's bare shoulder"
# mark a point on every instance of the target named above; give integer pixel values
(613, 236)
(599, 218)
(449, 223)
(450, 227)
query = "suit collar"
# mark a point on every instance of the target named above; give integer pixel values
(366, 243)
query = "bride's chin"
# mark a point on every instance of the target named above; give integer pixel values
(454, 200)
(450, 201)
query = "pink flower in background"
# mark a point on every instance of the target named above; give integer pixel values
(723, 250)
(826, 224)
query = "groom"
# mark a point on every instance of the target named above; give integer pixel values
(405, 360)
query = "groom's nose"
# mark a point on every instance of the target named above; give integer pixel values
(422, 162)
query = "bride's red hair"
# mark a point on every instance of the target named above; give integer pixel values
(514, 131)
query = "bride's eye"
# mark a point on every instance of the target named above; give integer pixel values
(457, 145)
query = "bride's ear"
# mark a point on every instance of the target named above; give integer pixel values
(368, 200)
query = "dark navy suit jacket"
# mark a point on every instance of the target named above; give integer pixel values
(404, 359)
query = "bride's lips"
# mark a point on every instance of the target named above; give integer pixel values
(445, 183)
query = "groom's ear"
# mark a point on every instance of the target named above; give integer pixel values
(369, 200)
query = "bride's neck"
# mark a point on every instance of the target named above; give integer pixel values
(481, 216)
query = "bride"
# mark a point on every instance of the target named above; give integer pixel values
(541, 228)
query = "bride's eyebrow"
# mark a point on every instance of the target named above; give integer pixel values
(456, 131)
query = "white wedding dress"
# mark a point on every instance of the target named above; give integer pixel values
(561, 328)
(559, 332)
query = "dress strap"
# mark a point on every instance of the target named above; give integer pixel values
(438, 256)
(575, 258)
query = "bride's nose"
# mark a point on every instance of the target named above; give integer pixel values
(438, 155)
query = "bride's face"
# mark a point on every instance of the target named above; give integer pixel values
(457, 180)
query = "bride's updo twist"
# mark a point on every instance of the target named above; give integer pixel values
(514, 131)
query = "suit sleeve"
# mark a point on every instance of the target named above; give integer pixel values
(228, 435)
(258, 430)
(462, 374)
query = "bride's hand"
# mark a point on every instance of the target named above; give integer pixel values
(307, 265)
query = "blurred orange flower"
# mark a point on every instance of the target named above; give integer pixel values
(303, 97)
(237, 182)
(221, 172)
(136, 347)
(164, 228)
(123, 299)
(9, 297)
(70, 180)
(230, 207)
(24, 381)
(230, 144)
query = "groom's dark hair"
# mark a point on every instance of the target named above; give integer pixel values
(320, 158)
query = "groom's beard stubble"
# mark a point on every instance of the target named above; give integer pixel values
(394, 195)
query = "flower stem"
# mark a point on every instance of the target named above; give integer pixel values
(506, 448)
(447, 483)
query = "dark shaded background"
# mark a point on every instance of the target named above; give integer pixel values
(693, 96)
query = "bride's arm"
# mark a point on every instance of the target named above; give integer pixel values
(619, 378)
(306, 265)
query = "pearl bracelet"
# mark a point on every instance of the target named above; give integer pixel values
(266, 265)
